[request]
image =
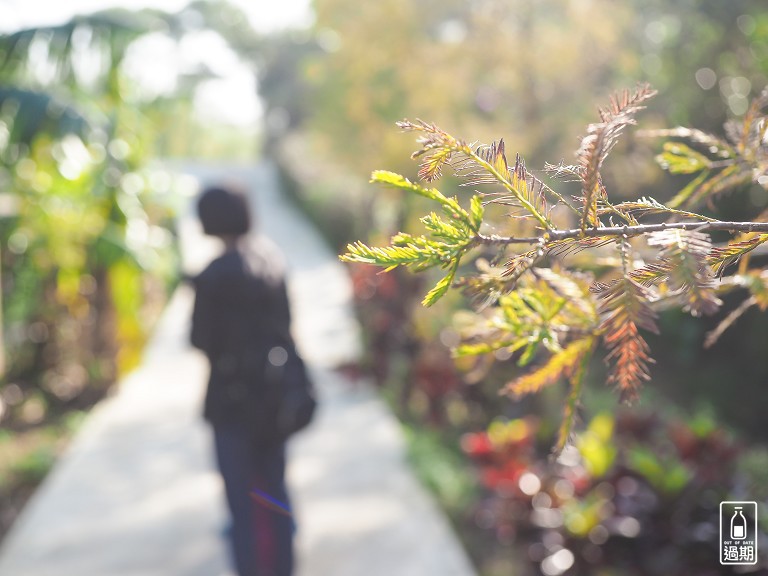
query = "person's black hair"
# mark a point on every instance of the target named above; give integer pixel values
(223, 211)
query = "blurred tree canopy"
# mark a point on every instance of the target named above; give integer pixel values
(87, 251)
(532, 67)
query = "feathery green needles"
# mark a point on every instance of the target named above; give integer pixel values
(550, 316)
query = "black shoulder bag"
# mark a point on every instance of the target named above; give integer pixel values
(290, 388)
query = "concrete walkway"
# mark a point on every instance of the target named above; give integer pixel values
(136, 494)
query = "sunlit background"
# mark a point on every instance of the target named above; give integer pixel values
(99, 99)
(155, 61)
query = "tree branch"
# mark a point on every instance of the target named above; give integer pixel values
(624, 231)
(491, 169)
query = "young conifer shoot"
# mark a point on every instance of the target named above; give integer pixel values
(553, 312)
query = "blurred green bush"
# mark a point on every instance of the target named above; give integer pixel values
(86, 227)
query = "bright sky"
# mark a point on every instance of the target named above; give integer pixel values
(230, 98)
(265, 15)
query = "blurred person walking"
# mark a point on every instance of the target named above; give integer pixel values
(241, 305)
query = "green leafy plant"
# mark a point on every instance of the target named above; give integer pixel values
(550, 311)
(86, 254)
(639, 481)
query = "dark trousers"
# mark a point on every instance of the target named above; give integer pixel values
(262, 528)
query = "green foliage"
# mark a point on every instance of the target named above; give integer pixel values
(448, 241)
(441, 469)
(86, 250)
(535, 304)
(639, 481)
(39, 112)
(597, 447)
(35, 465)
(725, 163)
(667, 475)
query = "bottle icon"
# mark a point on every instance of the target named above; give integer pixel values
(738, 525)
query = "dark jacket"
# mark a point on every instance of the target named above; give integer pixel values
(241, 308)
